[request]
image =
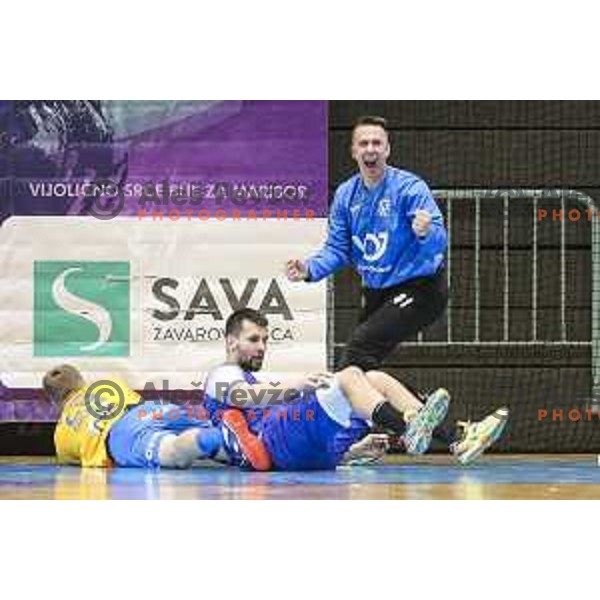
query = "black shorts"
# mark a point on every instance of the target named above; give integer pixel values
(393, 315)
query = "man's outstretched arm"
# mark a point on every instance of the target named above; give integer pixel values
(332, 256)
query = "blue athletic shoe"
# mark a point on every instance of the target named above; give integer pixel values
(417, 436)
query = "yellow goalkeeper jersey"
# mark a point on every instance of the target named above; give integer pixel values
(81, 431)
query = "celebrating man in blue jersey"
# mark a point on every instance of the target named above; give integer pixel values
(386, 224)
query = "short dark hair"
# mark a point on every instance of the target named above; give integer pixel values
(235, 321)
(370, 120)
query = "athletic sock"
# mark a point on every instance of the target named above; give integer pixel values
(387, 417)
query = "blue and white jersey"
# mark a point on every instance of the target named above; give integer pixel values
(371, 230)
(299, 436)
(216, 395)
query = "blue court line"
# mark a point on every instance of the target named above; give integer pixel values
(584, 471)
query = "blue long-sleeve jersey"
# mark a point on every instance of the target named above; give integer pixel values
(371, 229)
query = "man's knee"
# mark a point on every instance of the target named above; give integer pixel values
(361, 335)
(347, 377)
(364, 350)
(377, 378)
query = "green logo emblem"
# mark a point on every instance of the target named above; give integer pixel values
(81, 308)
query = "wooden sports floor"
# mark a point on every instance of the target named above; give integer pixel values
(398, 478)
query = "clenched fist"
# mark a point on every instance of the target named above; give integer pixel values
(422, 223)
(296, 270)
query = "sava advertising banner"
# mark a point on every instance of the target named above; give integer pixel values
(131, 230)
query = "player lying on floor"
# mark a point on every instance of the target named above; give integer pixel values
(133, 436)
(325, 415)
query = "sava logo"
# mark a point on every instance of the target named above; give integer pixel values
(198, 315)
(81, 308)
(373, 246)
(204, 301)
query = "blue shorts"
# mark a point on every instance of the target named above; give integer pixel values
(313, 434)
(135, 438)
